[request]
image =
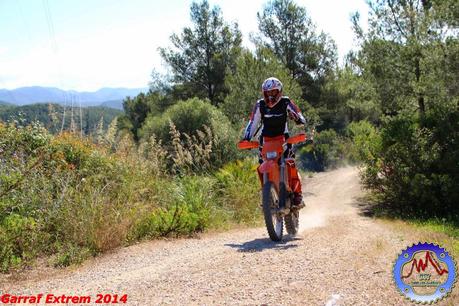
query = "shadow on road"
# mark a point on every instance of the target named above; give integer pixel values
(258, 245)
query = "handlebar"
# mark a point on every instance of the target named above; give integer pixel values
(246, 144)
(297, 138)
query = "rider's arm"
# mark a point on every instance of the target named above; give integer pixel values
(295, 113)
(255, 118)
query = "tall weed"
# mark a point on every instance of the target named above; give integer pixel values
(67, 197)
(238, 190)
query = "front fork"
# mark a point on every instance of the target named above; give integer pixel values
(284, 201)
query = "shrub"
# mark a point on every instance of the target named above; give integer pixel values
(191, 207)
(238, 190)
(63, 191)
(328, 151)
(413, 166)
(20, 239)
(66, 197)
(366, 141)
(196, 123)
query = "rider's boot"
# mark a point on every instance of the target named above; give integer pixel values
(298, 200)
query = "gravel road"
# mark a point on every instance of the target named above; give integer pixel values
(339, 258)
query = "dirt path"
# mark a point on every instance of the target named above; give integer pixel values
(339, 258)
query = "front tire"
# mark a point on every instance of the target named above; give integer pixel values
(274, 222)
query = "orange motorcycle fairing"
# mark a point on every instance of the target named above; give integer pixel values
(267, 166)
(297, 138)
(246, 144)
(271, 168)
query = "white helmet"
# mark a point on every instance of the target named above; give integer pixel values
(272, 91)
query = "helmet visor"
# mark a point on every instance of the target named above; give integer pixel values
(272, 92)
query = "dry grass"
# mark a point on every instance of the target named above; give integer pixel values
(84, 198)
(443, 235)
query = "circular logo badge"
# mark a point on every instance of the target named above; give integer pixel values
(424, 273)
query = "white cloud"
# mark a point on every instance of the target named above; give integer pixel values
(26, 69)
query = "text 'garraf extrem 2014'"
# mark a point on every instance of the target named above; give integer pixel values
(63, 299)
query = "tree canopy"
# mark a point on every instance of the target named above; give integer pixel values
(245, 85)
(203, 53)
(411, 54)
(287, 30)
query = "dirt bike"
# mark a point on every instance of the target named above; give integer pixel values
(275, 175)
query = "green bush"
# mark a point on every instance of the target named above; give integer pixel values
(196, 203)
(68, 198)
(413, 165)
(192, 207)
(190, 119)
(63, 191)
(68, 253)
(328, 151)
(20, 240)
(238, 190)
(366, 141)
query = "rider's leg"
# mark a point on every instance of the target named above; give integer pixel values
(295, 181)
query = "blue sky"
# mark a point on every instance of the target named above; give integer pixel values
(86, 45)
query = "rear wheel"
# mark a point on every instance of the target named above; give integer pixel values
(274, 222)
(292, 222)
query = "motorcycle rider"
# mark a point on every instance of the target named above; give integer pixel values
(272, 111)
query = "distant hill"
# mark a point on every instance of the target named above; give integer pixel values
(5, 105)
(37, 94)
(51, 116)
(117, 104)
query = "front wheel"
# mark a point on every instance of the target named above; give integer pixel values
(274, 222)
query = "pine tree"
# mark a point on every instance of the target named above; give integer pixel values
(203, 54)
(288, 31)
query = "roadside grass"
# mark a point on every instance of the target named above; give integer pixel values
(68, 199)
(443, 232)
(440, 232)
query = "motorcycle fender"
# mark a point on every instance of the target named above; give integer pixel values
(267, 166)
